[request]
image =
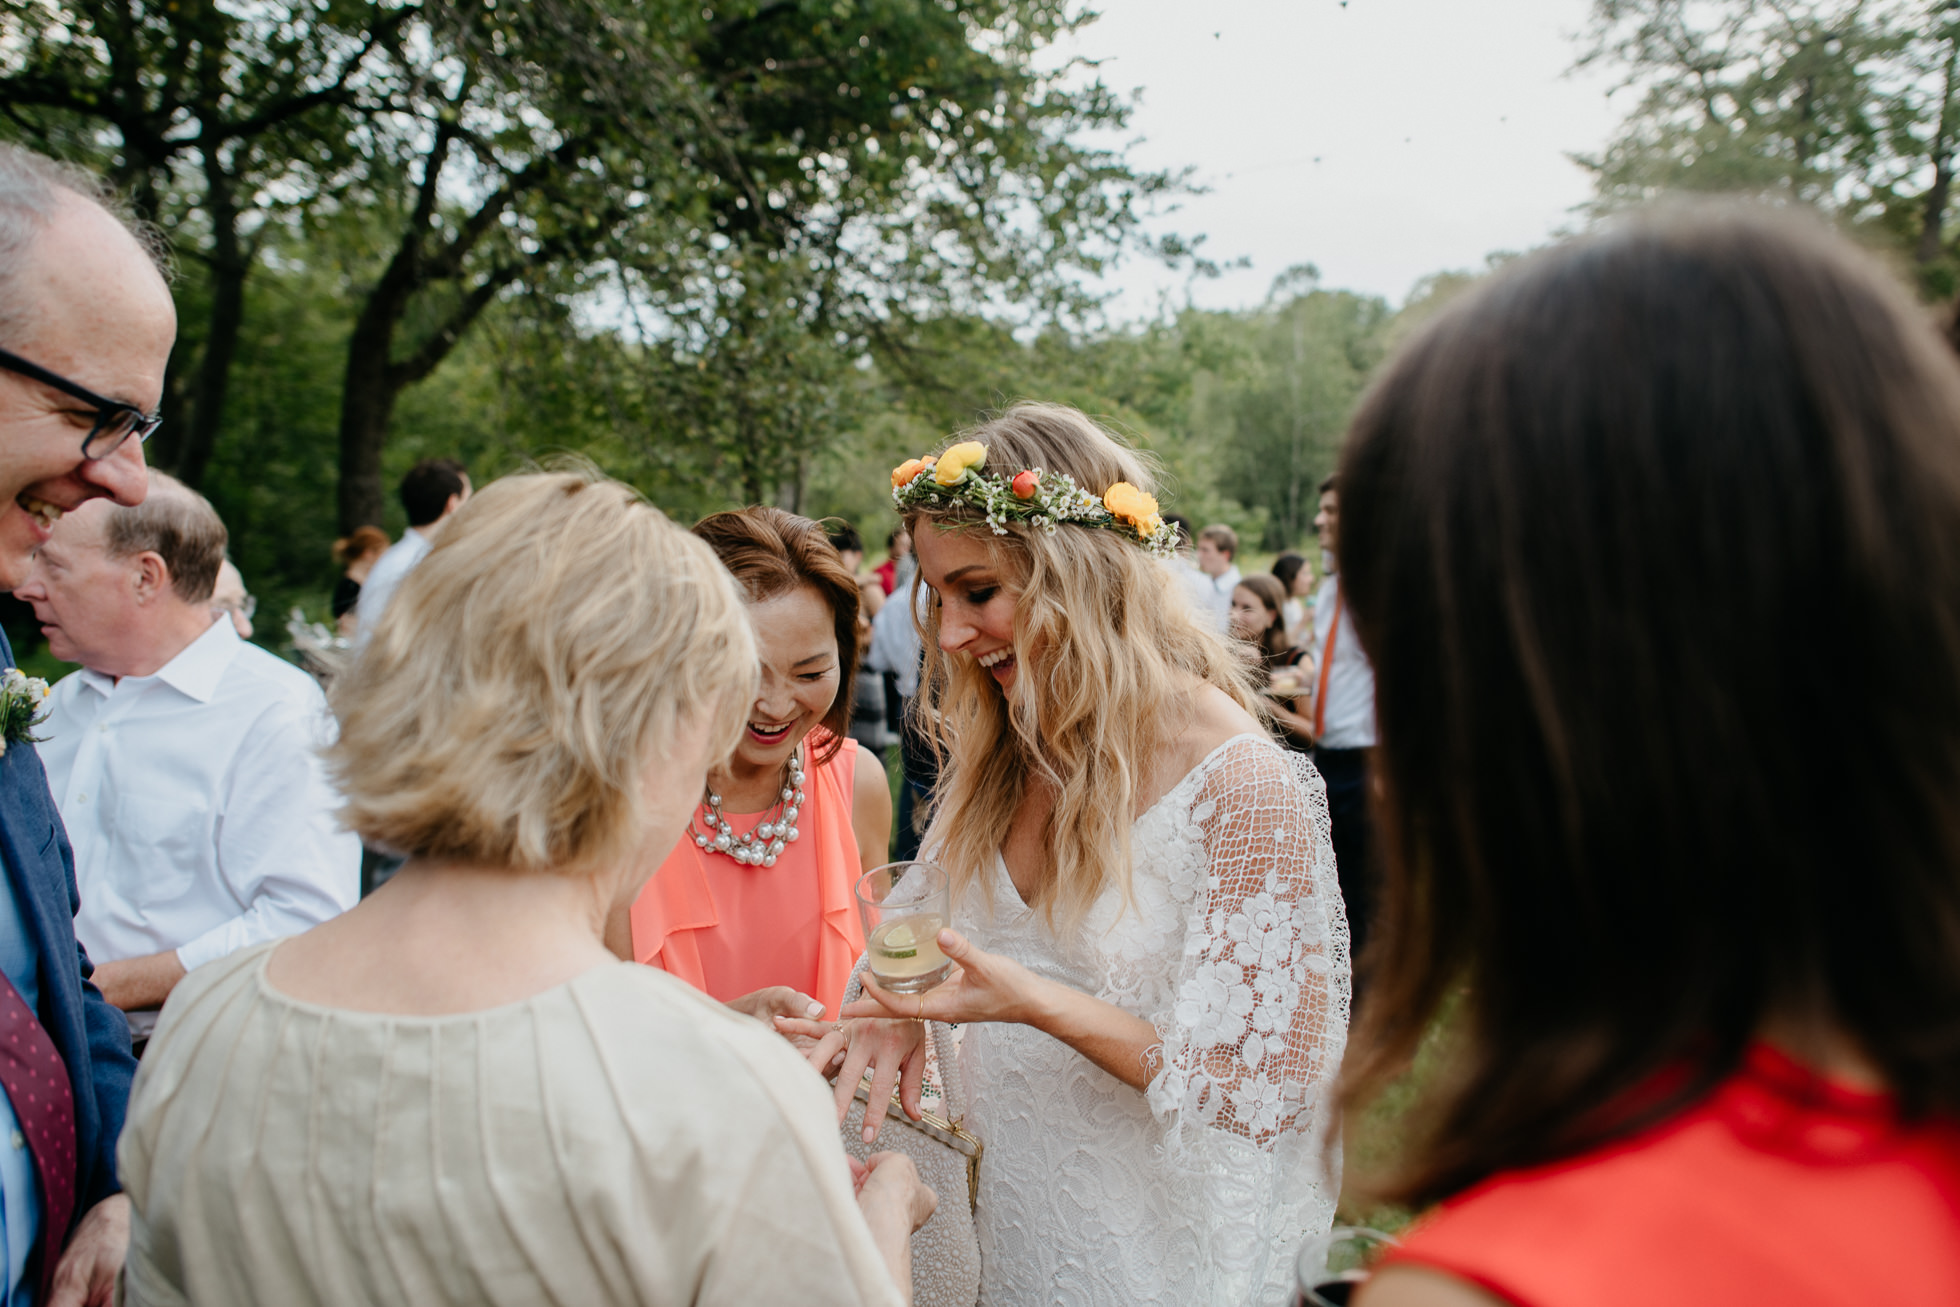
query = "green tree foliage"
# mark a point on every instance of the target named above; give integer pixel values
(1848, 105)
(728, 174)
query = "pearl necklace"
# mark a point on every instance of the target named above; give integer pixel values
(762, 846)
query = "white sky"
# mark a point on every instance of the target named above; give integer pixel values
(1381, 140)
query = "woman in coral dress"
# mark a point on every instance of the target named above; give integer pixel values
(753, 905)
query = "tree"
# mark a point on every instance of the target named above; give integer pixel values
(1848, 105)
(217, 116)
(1278, 411)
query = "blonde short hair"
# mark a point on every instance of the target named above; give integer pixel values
(505, 709)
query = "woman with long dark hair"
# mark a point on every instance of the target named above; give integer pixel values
(1685, 877)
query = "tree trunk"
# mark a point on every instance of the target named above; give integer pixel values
(367, 401)
(1932, 218)
(230, 265)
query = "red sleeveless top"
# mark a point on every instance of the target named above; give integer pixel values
(1780, 1188)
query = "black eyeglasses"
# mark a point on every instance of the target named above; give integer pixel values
(115, 421)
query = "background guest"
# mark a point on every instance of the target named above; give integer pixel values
(1297, 581)
(1702, 977)
(896, 656)
(454, 1090)
(355, 554)
(1258, 621)
(844, 538)
(431, 493)
(1212, 581)
(898, 568)
(184, 760)
(1341, 724)
(753, 903)
(84, 342)
(229, 596)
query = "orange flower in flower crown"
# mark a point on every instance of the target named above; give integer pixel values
(953, 464)
(1128, 504)
(902, 474)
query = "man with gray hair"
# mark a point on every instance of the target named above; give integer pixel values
(184, 760)
(86, 326)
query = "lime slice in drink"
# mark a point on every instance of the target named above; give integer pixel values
(898, 942)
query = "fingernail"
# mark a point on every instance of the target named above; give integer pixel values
(814, 1011)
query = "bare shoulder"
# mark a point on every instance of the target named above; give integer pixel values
(1418, 1286)
(1215, 718)
(868, 779)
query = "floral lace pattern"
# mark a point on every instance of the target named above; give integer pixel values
(1235, 947)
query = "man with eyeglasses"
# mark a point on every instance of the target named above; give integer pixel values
(86, 326)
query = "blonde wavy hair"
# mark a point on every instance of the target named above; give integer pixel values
(1119, 650)
(525, 672)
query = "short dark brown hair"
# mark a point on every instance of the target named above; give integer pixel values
(1654, 543)
(770, 552)
(179, 526)
(426, 490)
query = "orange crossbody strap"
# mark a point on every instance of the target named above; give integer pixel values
(1326, 665)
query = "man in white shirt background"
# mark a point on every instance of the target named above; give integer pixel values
(184, 760)
(1343, 716)
(1217, 575)
(431, 493)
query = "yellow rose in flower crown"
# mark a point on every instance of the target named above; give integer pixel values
(1128, 504)
(953, 464)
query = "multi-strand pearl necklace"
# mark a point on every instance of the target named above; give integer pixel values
(761, 846)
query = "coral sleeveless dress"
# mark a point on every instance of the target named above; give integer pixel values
(730, 930)
(1781, 1188)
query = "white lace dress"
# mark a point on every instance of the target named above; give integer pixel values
(1236, 949)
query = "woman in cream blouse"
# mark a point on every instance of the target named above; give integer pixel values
(454, 1093)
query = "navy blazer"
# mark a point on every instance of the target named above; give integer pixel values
(92, 1035)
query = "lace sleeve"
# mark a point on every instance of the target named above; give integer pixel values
(1258, 1021)
(1261, 1009)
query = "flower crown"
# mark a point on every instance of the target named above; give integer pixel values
(1033, 497)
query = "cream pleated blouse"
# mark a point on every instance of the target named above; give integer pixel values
(618, 1139)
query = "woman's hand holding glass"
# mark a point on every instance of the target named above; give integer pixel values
(885, 1032)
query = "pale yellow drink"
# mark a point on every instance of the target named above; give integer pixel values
(905, 953)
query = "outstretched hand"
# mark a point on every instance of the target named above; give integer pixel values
(894, 1051)
(983, 986)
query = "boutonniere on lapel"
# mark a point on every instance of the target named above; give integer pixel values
(23, 706)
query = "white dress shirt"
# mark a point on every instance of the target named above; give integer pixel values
(1213, 594)
(383, 577)
(199, 808)
(895, 638)
(1350, 719)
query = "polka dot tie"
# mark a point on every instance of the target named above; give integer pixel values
(36, 1081)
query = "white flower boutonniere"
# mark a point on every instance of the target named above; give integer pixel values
(23, 706)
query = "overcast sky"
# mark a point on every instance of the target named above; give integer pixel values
(1380, 140)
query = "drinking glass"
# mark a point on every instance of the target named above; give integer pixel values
(904, 906)
(1333, 1265)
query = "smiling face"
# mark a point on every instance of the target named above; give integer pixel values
(976, 606)
(796, 637)
(94, 310)
(1250, 616)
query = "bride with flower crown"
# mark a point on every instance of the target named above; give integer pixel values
(1152, 976)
